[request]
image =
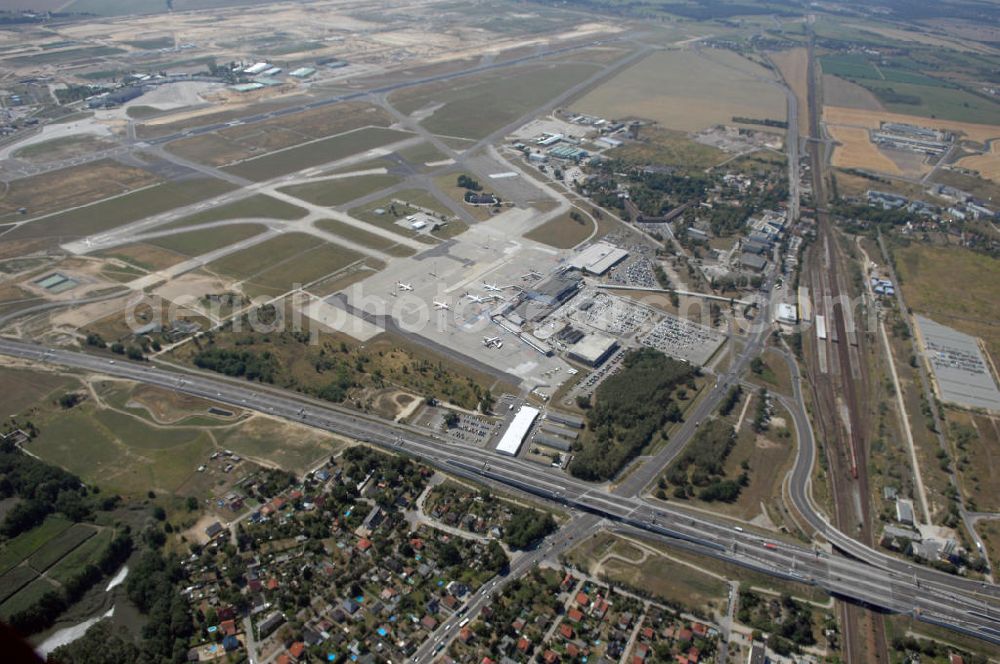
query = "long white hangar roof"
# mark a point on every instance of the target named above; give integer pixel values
(513, 438)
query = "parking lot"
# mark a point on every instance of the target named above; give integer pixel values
(683, 339)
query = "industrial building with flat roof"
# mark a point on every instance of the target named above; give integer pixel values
(512, 439)
(598, 258)
(568, 419)
(555, 442)
(594, 349)
(788, 313)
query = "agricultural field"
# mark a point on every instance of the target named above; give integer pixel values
(258, 206)
(341, 190)
(986, 164)
(841, 92)
(475, 106)
(855, 150)
(316, 153)
(688, 91)
(839, 115)
(25, 544)
(70, 187)
(794, 67)
(953, 286)
(563, 232)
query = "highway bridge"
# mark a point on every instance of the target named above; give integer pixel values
(865, 576)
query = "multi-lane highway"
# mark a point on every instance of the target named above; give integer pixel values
(869, 577)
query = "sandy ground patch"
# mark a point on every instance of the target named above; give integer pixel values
(188, 289)
(841, 92)
(856, 151)
(855, 117)
(987, 164)
(88, 126)
(196, 533)
(90, 313)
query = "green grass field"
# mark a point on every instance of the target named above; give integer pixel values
(954, 286)
(23, 389)
(15, 579)
(25, 544)
(363, 237)
(419, 155)
(116, 212)
(292, 257)
(195, 243)
(307, 267)
(60, 545)
(342, 190)
(475, 106)
(848, 65)
(88, 552)
(257, 206)
(26, 597)
(935, 102)
(290, 446)
(316, 153)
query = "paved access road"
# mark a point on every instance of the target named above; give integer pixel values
(873, 578)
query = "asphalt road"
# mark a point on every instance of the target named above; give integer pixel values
(871, 578)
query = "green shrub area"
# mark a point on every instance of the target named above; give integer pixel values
(700, 471)
(630, 408)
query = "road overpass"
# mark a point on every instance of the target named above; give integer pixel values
(867, 577)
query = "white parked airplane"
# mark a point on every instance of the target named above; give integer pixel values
(441, 305)
(478, 299)
(402, 286)
(493, 288)
(492, 342)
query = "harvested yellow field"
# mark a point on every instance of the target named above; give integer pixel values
(688, 90)
(856, 117)
(794, 67)
(924, 38)
(856, 151)
(987, 164)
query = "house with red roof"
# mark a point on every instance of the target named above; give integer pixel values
(565, 631)
(582, 599)
(296, 650)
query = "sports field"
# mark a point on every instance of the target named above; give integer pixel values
(316, 153)
(688, 90)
